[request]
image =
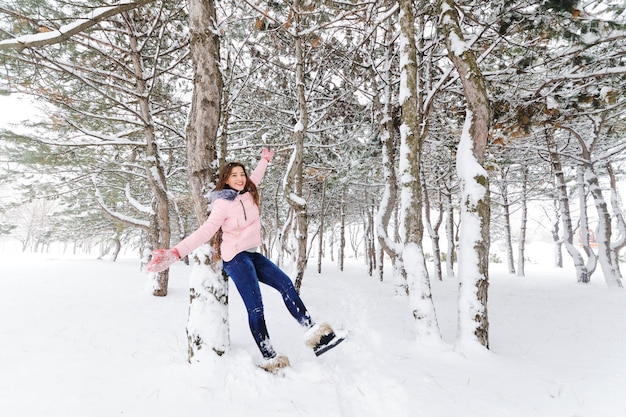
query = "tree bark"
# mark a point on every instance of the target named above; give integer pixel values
(412, 138)
(207, 324)
(582, 274)
(294, 177)
(320, 249)
(506, 207)
(451, 241)
(475, 211)
(341, 252)
(521, 257)
(612, 275)
(161, 232)
(433, 230)
(618, 217)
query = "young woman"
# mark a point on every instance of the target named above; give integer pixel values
(236, 212)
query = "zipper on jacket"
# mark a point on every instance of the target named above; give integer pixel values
(244, 211)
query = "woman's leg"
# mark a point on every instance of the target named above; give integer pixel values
(242, 272)
(270, 274)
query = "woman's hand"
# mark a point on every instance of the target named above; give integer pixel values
(162, 259)
(267, 154)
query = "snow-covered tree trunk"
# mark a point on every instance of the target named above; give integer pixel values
(618, 218)
(555, 230)
(293, 183)
(584, 230)
(451, 241)
(341, 251)
(521, 256)
(475, 211)
(411, 223)
(383, 105)
(612, 275)
(207, 322)
(433, 229)
(207, 325)
(320, 248)
(568, 233)
(161, 232)
(506, 207)
(370, 247)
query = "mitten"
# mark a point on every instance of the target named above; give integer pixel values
(162, 259)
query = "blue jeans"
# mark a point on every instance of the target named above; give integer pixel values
(246, 270)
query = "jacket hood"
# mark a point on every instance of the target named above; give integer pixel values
(226, 194)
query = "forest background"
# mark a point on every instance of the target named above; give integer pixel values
(394, 123)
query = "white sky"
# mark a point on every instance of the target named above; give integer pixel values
(15, 109)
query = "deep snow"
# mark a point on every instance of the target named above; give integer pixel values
(83, 337)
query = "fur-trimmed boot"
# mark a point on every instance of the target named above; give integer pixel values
(274, 364)
(321, 338)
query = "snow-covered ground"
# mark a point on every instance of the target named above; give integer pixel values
(82, 337)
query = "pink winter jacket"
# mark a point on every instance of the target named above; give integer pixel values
(238, 217)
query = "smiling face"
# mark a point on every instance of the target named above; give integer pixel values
(237, 178)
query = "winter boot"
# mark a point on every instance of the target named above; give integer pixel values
(321, 338)
(274, 364)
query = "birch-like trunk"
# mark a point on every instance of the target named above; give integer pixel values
(207, 324)
(475, 211)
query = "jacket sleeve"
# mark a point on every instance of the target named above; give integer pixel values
(206, 231)
(259, 171)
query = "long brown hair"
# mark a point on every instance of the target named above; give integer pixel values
(225, 171)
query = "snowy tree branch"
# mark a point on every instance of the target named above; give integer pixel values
(67, 31)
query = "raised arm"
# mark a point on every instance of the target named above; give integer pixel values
(259, 171)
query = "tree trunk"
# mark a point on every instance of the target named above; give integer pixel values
(618, 218)
(160, 233)
(117, 247)
(207, 324)
(412, 139)
(294, 177)
(389, 197)
(584, 231)
(451, 252)
(341, 252)
(521, 257)
(370, 247)
(506, 207)
(568, 233)
(612, 275)
(475, 212)
(433, 230)
(320, 249)
(555, 231)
